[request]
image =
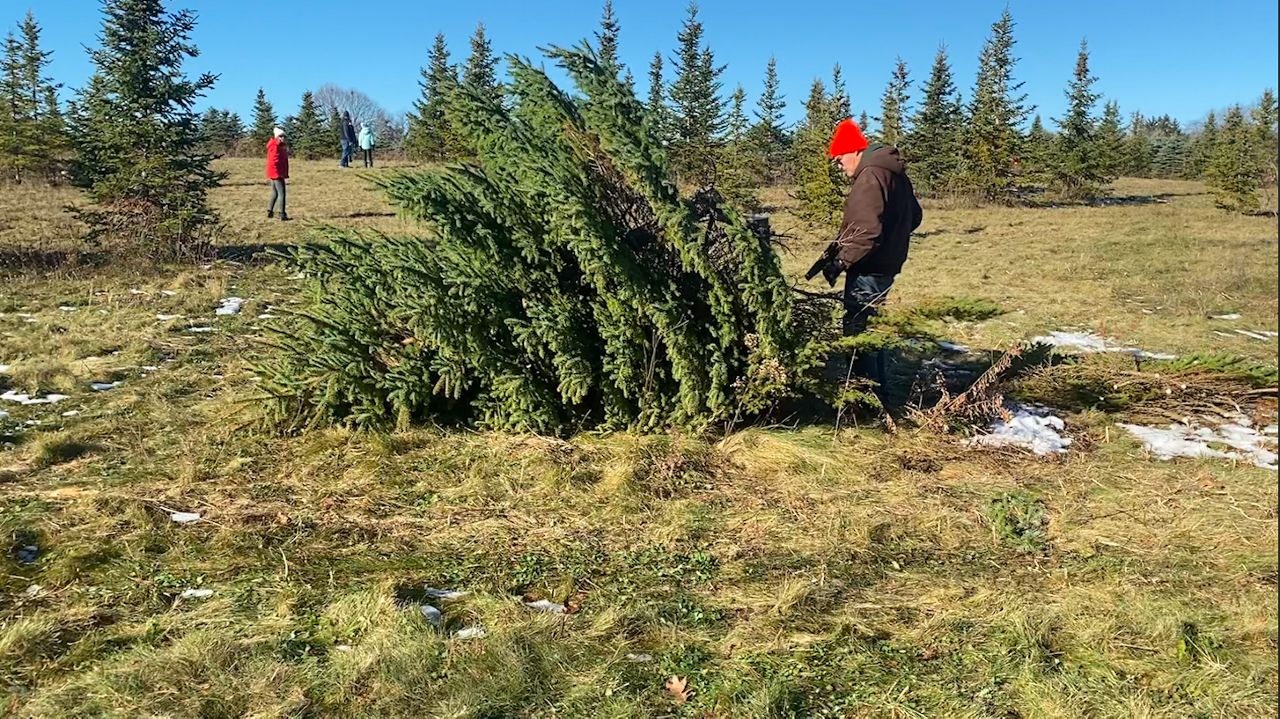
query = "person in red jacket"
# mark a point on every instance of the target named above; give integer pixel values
(277, 172)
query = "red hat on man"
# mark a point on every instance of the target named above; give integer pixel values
(848, 138)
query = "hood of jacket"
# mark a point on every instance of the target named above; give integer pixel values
(885, 156)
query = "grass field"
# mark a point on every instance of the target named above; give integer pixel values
(780, 572)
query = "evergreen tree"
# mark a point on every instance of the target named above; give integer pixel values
(525, 310)
(1234, 172)
(264, 122)
(1078, 172)
(769, 134)
(53, 131)
(1038, 154)
(738, 169)
(309, 135)
(996, 112)
(221, 131)
(607, 37)
(1169, 155)
(31, 125)
(1164, 125)
(864, 122)
(1110, 141)
(136, 134)
(48, 143)
(933, 146)
(481, 70)
(1264, 125)
(16, 121)
(819, 188)
(698, 115)
(1138, 153)
(893, 106)
(839, 99)
(657, 113)
(431, 137)
(1202, 147)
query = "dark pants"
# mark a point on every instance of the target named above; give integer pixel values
(863, 295)
(277, 192)
(368, 157)
(347, 151)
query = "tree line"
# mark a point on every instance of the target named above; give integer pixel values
(981, 146)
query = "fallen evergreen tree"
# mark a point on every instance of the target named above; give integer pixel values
(561, 282)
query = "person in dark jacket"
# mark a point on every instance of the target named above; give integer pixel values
(277, 172)
(880, 213)
(348, 140)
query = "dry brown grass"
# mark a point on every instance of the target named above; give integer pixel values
(784, 572)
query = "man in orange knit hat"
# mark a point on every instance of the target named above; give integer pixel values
(880, 213)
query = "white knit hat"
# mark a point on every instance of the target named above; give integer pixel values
(278, 132)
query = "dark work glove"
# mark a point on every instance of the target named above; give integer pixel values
(831, 272)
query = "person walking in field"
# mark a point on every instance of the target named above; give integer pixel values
(277, 172)
(348, 140)
(366, 143)
(880, 213)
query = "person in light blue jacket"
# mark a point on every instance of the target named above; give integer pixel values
(366, 143)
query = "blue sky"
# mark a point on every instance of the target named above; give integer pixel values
(1174, 56)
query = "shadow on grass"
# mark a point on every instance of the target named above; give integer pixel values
(250, 253)
(14, 260)
(19, 260)
(358, 215)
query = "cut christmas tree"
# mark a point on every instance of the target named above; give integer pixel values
(560, 282)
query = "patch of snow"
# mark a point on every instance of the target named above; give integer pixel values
(1231, 316)
(68, 308)
(1253, 335)
(200, 329)
(267, 316)
(104, 386)
(184, 517)
(4, 368)
(135, 291)
(148, 368)
(31, 320)
(954, 347)
(229, 306)
(71, 413)
(542, 605)
(445, 594)
(476, 632)
(166, 318)
(168, 293)
(1220, 333)
(1090, 342)
(12, 396)
(33, 590)
(640, 658)
(1241, 442)
(298, 276)
(196, 594)
(1032, 428)
(3, 414)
